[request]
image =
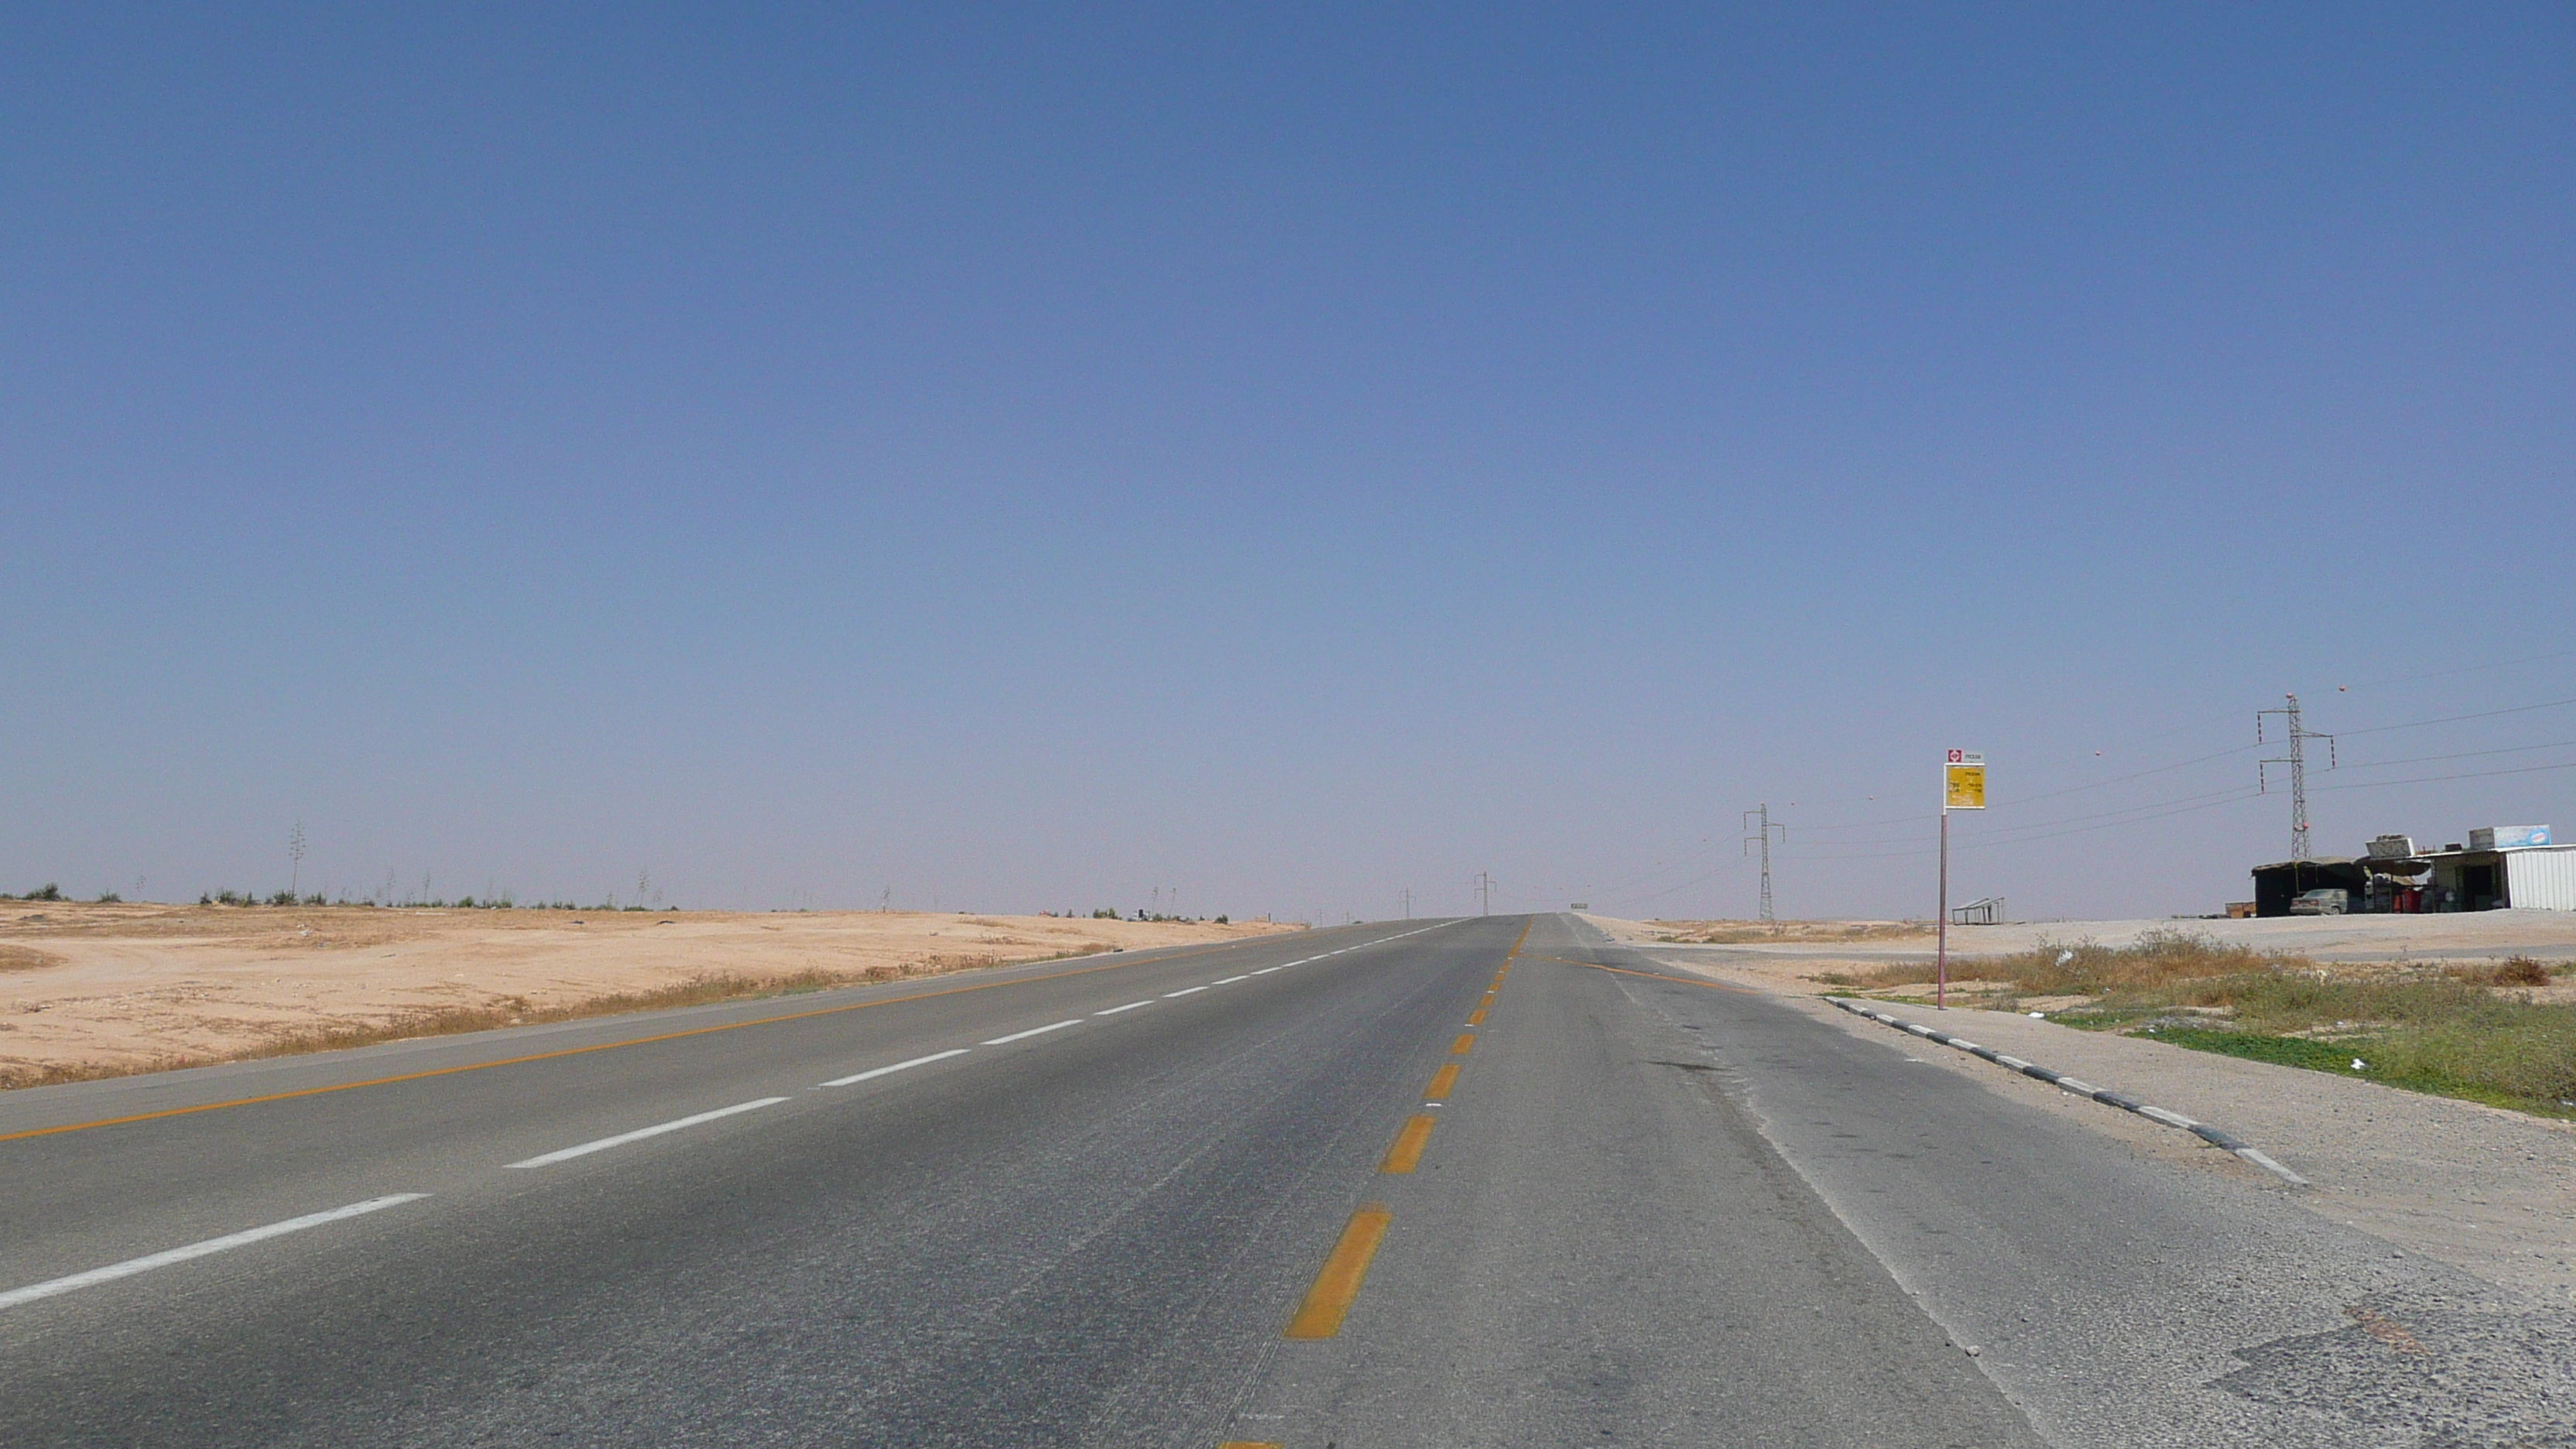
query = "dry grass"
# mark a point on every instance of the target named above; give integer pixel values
(25, 958)
(703, 990)
(1733, 933)
(2511, 971)
(2462, 1031)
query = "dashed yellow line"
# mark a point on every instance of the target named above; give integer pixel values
(1407, 1149)
(1441, 1081)
(1459, 1047)
(1476, 1017)
(1338, 1285)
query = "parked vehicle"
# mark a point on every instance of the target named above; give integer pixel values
(2324, 901)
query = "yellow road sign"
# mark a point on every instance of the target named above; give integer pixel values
(1963, 781)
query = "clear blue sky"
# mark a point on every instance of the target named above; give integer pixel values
(1025, 458)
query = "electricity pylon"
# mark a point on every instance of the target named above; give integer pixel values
(2297, 760)
(1762, 836)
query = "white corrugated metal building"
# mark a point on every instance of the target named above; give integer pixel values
(2541, 877)
(2506, 866)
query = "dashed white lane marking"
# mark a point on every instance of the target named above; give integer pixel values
(897, 1067)
(1230, 980)
(146, 1264)
(1130, 1006)
(1266, 970)
(640, 1133)
(1184, 991)
(1033, 1031)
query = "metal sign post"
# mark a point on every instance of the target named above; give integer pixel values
(1963, 787)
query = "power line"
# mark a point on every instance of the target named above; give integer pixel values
(2456, 718)
(2461, 755)
(2470, 775)
(2463, 669)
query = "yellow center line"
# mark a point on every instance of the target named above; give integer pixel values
(1407, 1149)
(1517, 941)
(1459, 1047)
(1338, 1285)
(584, 1050)
(1476, 1017)
(1441, 1081)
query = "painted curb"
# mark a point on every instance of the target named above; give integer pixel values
(2202, 1130)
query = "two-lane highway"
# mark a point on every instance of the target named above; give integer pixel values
(1488, 1181)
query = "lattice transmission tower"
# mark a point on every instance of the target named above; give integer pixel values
(1762, 837)
(2297, 760)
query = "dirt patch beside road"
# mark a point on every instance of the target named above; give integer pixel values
(100, 990)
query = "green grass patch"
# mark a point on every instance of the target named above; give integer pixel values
(2486, 1071)
(2469, 1031)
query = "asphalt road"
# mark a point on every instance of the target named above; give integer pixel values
(1230, 1195)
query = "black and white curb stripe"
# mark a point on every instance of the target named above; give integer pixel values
(2202, 1130)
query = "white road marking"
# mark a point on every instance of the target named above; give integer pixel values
(1266, 970)
(1033, 1031)
(1230, 980)
(132, 1266)
(897, 1067)
(1130, 1006)
(640, 1133)
(1184, 991)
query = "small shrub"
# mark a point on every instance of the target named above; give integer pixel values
(46, 892)
(282, 898)
(2517, 971)
(1222, 921)
(109, 898)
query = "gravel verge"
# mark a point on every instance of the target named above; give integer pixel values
(2487, 1190)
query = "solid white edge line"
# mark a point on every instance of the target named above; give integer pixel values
(1033, 1031)
(1184, 991)
(1266, 970)
(1230, 980)
(897, 1067)
(2259, 1159)
(1130, 1006)
(146, 1264)
(640, 1133)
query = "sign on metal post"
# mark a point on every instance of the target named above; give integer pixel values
(1963, 787)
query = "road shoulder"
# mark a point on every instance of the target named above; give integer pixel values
(2483, 1189)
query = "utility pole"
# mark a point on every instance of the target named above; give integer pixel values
(2297, 760)
(1408, 903)
(1763, 836)
(295, 853)
(1484, 893)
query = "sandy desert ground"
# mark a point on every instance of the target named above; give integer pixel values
(91, 990)
(1811, 957)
